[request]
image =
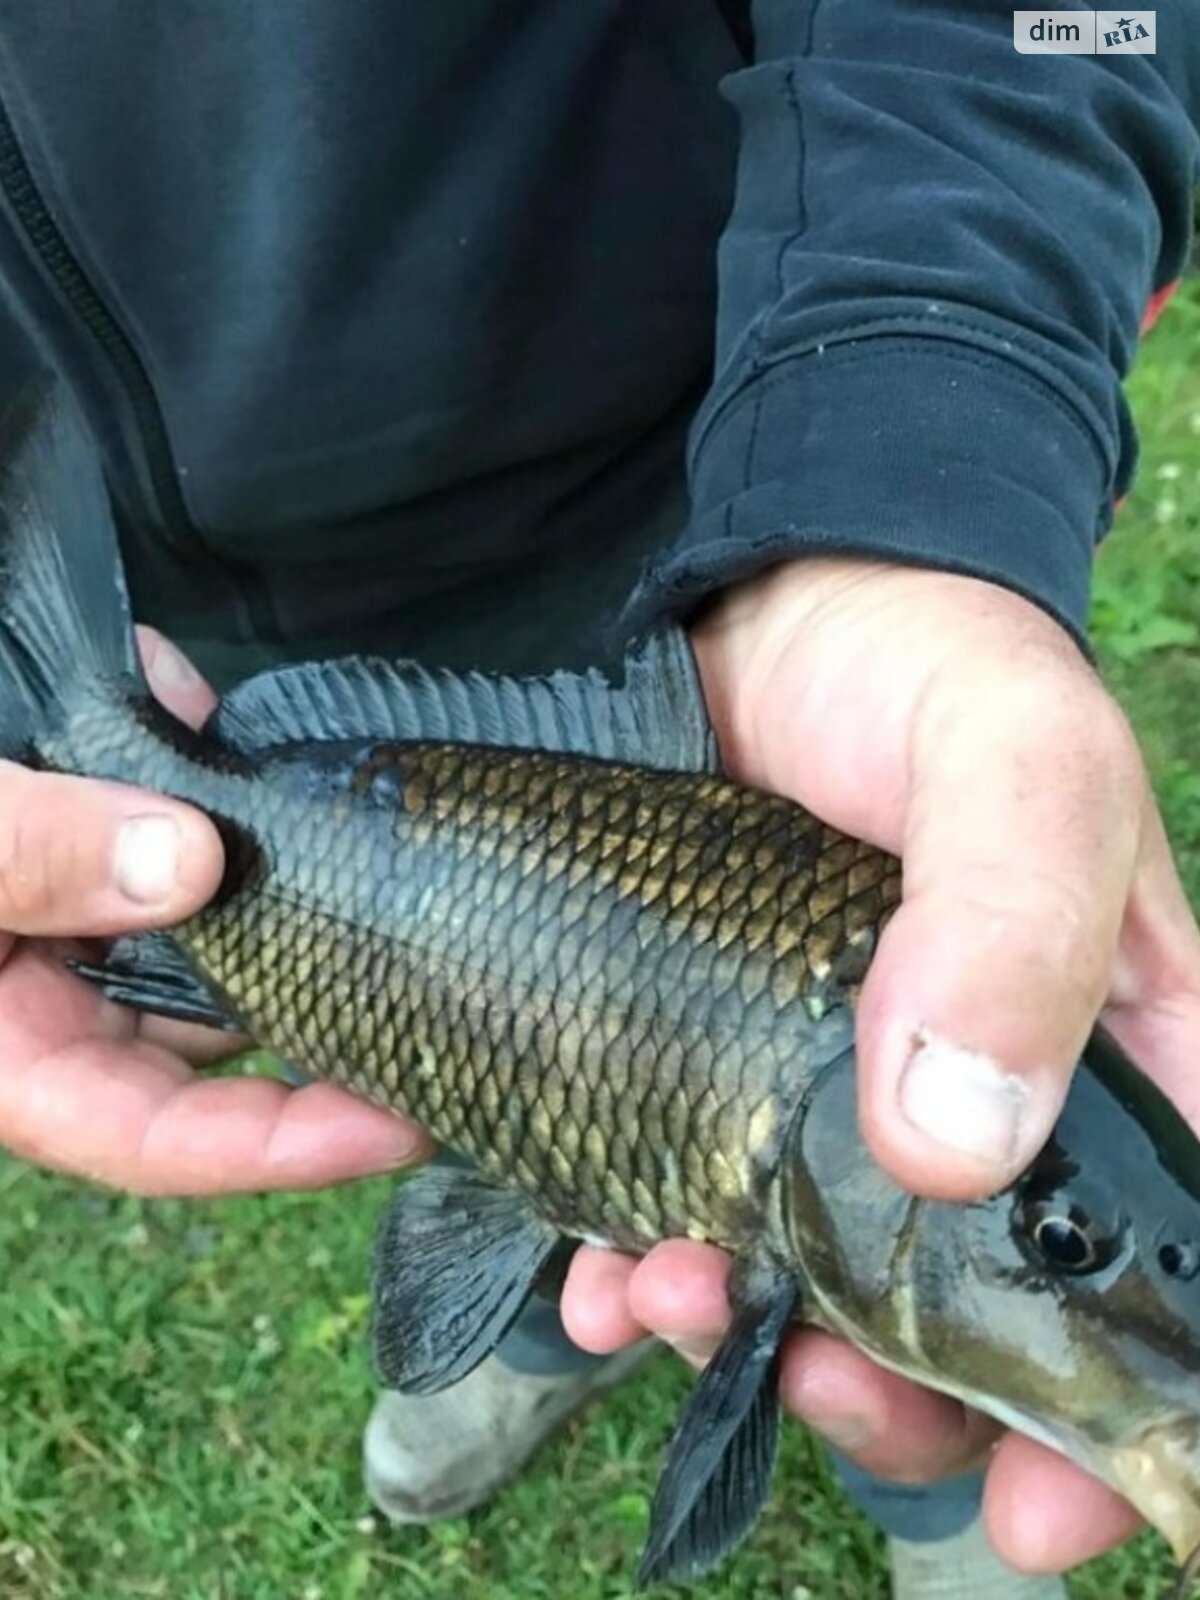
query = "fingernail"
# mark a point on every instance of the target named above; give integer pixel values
(146, 858)
(963, 1100)
(169, 668)
(409, 1142)
(847, 1432)
(699, 1352)
(410, 1147)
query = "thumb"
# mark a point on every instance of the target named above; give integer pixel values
(1024, 810)
(80, 857)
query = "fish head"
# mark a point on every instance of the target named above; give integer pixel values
(1067, 1306)
(1105, 1226)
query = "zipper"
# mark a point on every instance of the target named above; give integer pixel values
(49, 246)
(54, 253)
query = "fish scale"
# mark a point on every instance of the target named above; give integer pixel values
(634, 973)
(585, 999)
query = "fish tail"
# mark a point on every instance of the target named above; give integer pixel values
(66, 632)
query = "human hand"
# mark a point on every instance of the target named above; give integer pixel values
(92, 1088)
(956, 725)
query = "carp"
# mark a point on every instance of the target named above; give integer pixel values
(534, 915)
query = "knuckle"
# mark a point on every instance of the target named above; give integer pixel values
(1064, 735)
(1039, 920)
(26, 881)
(1078, 714)
(40, 867)
(1018, 905)
(1115, 747)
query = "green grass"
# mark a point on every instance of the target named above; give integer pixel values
(182, 1384)
(1146, 615)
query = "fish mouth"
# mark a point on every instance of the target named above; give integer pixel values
(1159, 1474)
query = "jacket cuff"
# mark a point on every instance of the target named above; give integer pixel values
(915, 450)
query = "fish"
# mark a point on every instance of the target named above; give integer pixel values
(536, 916)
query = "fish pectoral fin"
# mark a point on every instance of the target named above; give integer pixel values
(151, 973)
(655, 717)
(455, 1260)
(718, 1469)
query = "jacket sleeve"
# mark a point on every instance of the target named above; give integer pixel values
(930, 289)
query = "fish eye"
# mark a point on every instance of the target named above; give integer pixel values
(1059, 1233)
(1066, 1242)
(1066, 1221)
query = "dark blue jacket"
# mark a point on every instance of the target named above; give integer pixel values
(402, 322)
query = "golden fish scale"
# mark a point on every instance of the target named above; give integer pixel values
(594, 980)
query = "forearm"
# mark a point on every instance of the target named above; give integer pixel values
(932, 283)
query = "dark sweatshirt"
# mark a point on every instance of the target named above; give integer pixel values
(405, 326)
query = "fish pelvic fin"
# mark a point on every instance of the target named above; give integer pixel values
(655, 717)
(64, 611)
(718, 1470)
(151, 973)
(455, 1260)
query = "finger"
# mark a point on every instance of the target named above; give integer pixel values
(1160, 946)
(90, 1015)
(80, 1093)
(199, 1046)
(1024, 817)
(1163, 1038)
(196, 1044)
(174, 681)
(133, 1117)
(595, 1301)
(79, 856)
(679, 1292)
(1155, 1007)
(889, 1426)
(1043, 1514)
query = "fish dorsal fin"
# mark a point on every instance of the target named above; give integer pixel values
(656, 717)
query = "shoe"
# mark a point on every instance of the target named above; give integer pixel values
(963, 1567)
(431, 1456)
